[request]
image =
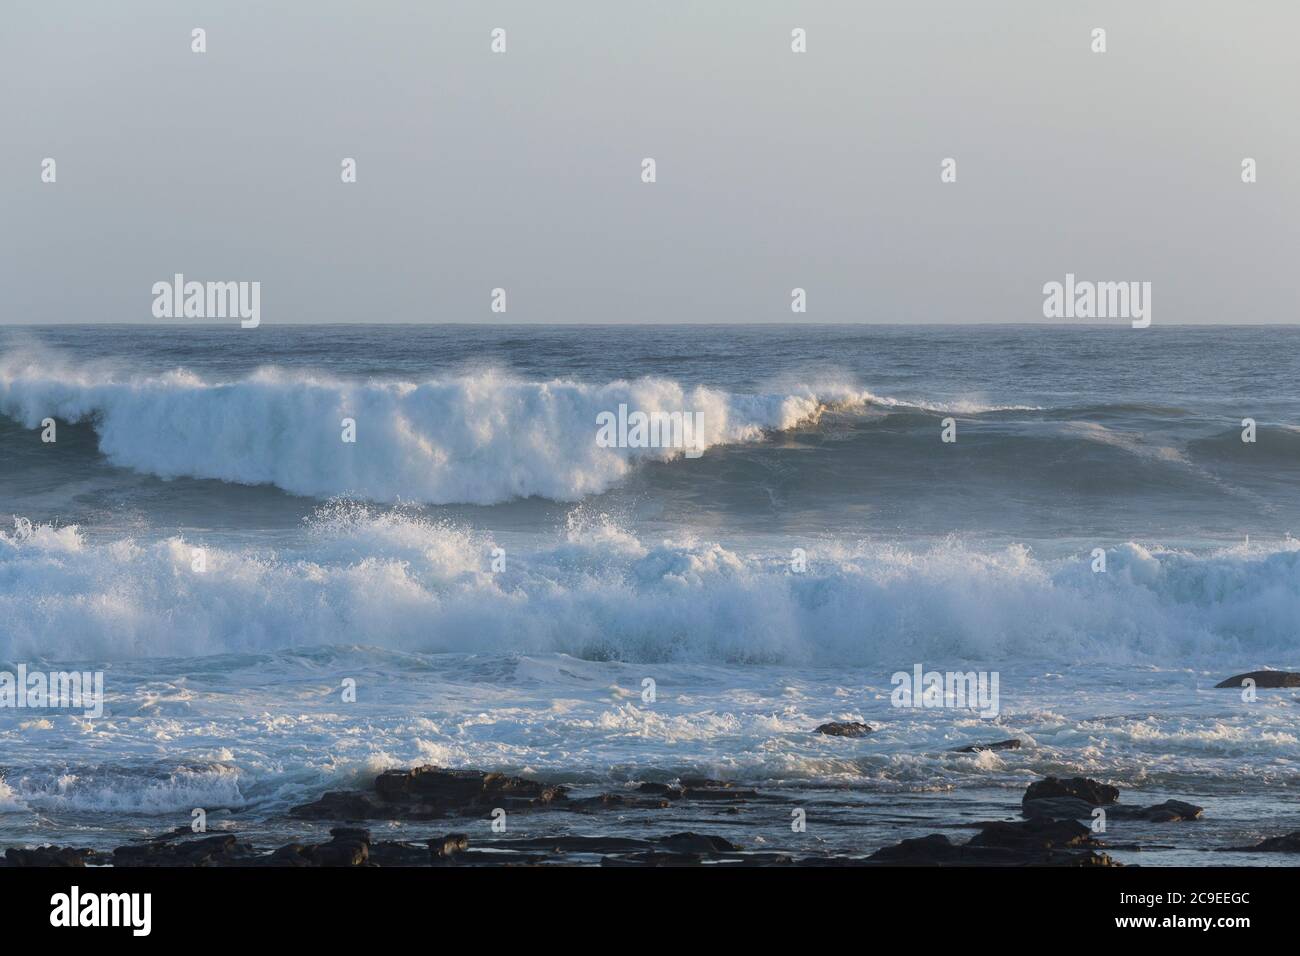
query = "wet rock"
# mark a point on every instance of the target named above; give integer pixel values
(1081, 788)
(1171, 811)
(697, 843)
(290, 855)
(1012, 744)
(1264, 679)
(221, 850)
(461, 788)
(919, 851)
(696, 788)
(851, 728)
(48, 856)
(1058, 808)
(660, 790)
(1075, 808)
(1289, 843)
(350, 847)
(448, 846)
(1037, 834)
(397, 853)
(1031, 843)
(607, 801)
(359, 834)
(429, 792)
(340, 805)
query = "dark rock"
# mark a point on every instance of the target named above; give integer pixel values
(1081, 788)
(449, 845)
(698, 788)
(340, 852)
(660, 789)
(1174, 811)
(359, 834)
(920, 851)
(1033, 834)
(1012, 744)
(429, 792)
(348, 846)
(851, 728)
(339, 805)
(48, 856)
(460, 788)
(1289, 843)
(1057, 808)
(391, 853)
(697, 843)
(291, 854)
(1171, 811)
(1032, 843)
(605, 801)
(1073, 808)
(1264, 679)
(222, 850)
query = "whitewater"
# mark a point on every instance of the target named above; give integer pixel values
(600, 593)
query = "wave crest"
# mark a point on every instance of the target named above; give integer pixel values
(479, 439)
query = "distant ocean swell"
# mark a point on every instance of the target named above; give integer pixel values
(597, 592)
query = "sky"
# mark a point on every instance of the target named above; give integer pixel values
(523, 170)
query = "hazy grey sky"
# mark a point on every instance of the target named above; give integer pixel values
(775, 169)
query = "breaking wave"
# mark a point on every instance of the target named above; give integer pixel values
(479, 439)
(389, 579)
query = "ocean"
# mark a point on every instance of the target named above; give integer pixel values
(500, 591)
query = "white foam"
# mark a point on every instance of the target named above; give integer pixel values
(597, 591)
(175, 792)
(9, 800)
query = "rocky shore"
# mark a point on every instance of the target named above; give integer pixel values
(1051, 830)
